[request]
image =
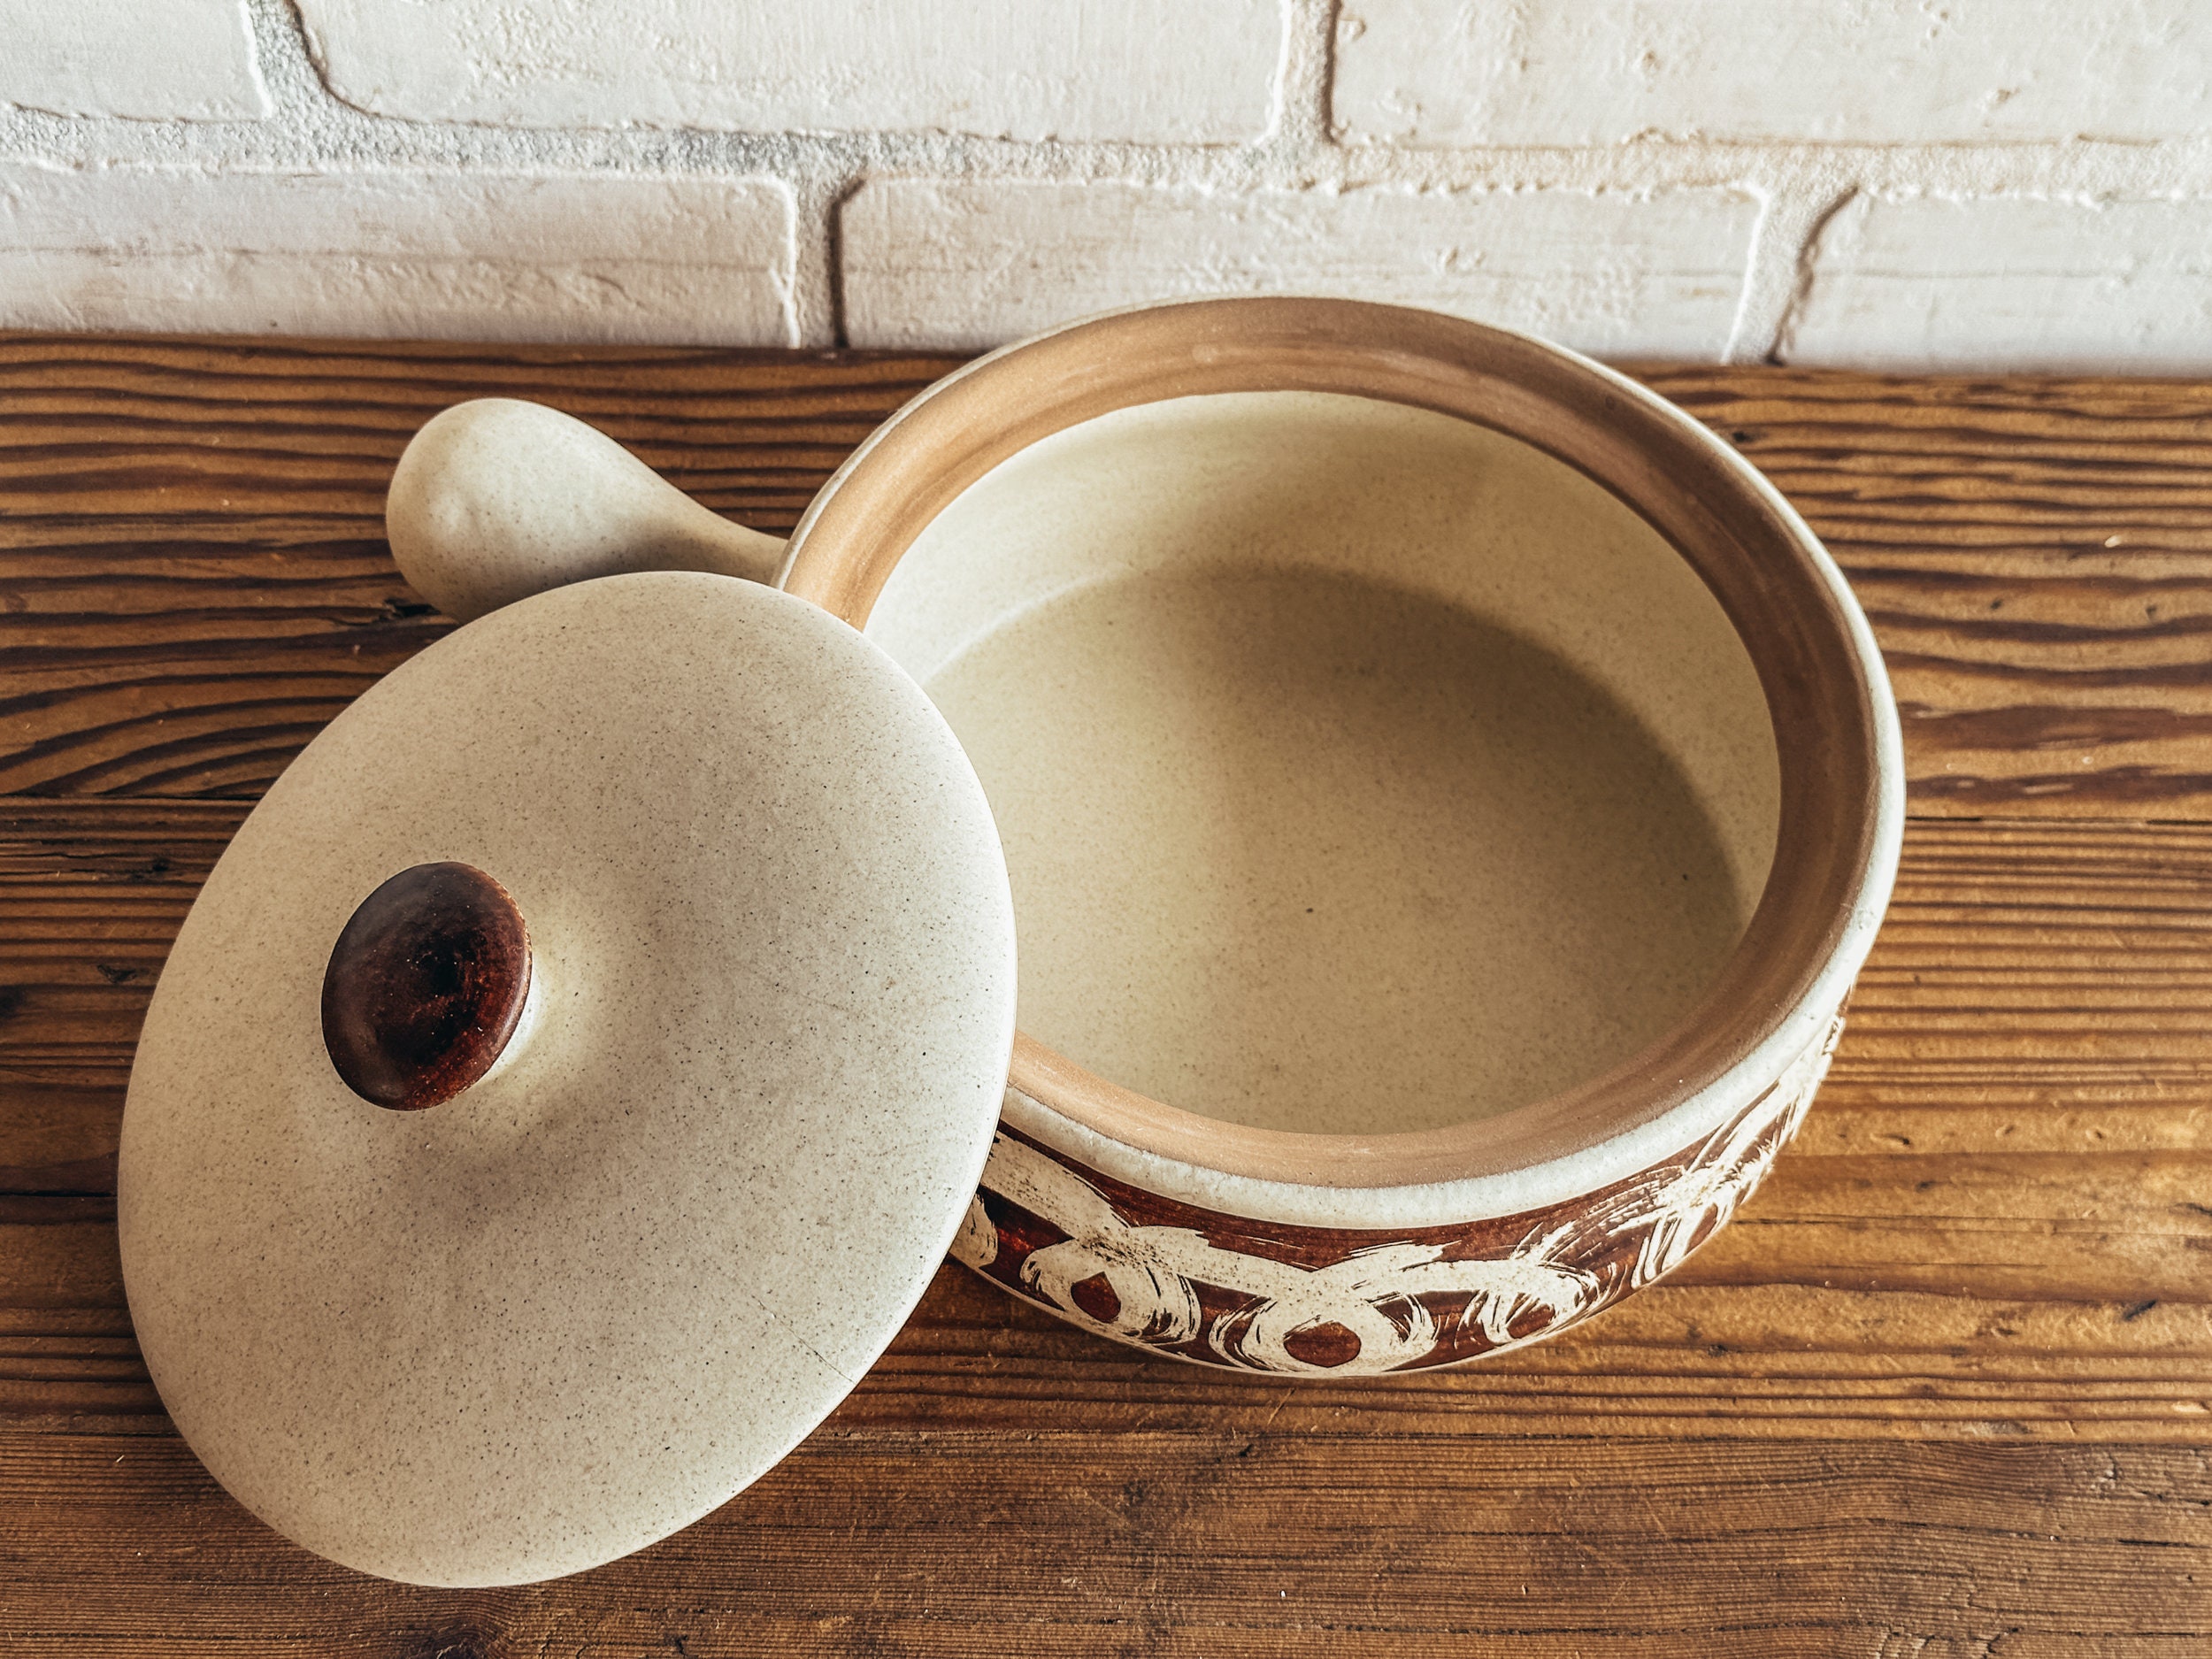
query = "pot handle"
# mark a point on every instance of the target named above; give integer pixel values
(498, 499)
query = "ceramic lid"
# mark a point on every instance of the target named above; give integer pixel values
(760, 1034)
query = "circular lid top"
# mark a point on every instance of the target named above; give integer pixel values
(604, 1274)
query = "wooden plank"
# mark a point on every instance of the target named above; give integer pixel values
(1942, 1390)
(1997, 1223)
(91, 897)
(1067, 1542)
(192, 540)
(191, 544)
(2036, 558)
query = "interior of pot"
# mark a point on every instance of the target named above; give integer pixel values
(1607, 633)
(1361, 770)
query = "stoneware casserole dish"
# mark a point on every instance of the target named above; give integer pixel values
(1395, 1156)
(1444, 797)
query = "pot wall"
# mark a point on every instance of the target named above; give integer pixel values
(1252, 1294)
(1672, 1108)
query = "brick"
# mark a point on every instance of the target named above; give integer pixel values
(971, 265)
(2012, 282)
(1165, 71)
(178, 60)
(1442, 73)
(424, 256)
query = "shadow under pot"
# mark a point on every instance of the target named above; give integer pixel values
(1447, 794)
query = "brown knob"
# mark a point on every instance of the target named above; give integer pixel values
(424, 986)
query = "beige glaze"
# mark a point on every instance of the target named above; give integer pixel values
(1406, 497)
(578, 1305)
(1361, 770)
(1299, 850)
(1540, 495)
(1489, 471)
(1829, 718)
(484, 510)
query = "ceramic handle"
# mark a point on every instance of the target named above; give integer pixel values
(498, 499)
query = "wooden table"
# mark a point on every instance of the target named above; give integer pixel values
(1944, 1389)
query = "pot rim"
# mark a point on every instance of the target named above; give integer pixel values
(1835, 720)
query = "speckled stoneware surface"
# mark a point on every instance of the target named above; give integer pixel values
(1450, 794)
(583, 1302)
(517, 529)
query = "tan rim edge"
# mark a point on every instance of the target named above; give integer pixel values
(1823, 691)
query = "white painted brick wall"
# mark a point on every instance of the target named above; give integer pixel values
(971, 264)
(1875, 71)
(1148, 70)
(2040, 284)
(479, 256)
(1958, 183)
(188, 60)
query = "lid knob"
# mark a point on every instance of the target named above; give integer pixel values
(426, 985)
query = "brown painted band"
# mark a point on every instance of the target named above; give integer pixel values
(1759, 562)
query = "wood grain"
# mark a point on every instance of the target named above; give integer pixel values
(1944, 1390)
(232, 591)
(91, 895)
(1998, 1221)
(2035, 554)
(1214, 1545)
(2036, 558)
